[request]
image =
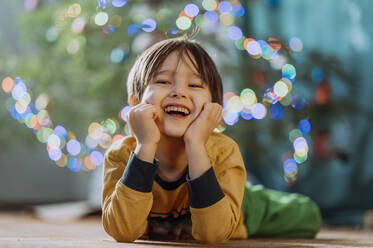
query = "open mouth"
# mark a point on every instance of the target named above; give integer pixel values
(177, 111)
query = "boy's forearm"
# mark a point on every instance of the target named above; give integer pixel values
(198, 161)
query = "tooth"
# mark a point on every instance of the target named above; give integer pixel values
(178, 109)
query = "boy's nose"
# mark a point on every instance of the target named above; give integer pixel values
(178, 92)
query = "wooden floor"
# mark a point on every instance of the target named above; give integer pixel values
(23, 230)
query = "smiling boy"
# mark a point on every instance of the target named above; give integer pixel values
(173, 177)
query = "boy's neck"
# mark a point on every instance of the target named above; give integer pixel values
(172, 158)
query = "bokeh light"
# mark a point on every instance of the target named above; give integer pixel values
(183, 23)
(101, 18)
(149, 25)
(230, 117)
(74, 10)
(30, 5)
(74, 164)
(288, 71)
(286, 101)
(97, 158)
(73, 46)
(234, 104)
(234, 33)
(274, 43)
(270, 96)
(227, 19)
(118, 3)
(54, 141)
(248, 97)
(62, 161)
(317, 75)
(52, 34)
(254, 49)
(297, 102)
(238, 9)
(211, 16)
(73, 147)
(115, 21)
(225, 6)
(109, 126)
(54, 154)
(293, 134)
(42, 101)
(280, 88)
(258, 111)
(300, 144)
(304, 126)
(275, 112)
(290, 166)
(209, 5)
(117, 55)
(95, 130)
(7, 84)
(295, 44)
(246, 115)
(191, 10)
(123, 112)
(78, 25)
(133, 28)
(19, 90)
(102, 4)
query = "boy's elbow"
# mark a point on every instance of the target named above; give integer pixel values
(215, 241)
(119, 234)
(211, 238)
(125, 237)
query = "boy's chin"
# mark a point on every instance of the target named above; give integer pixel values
(174, 133)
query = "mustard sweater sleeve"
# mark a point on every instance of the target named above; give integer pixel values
(216, 196)
(127, 197)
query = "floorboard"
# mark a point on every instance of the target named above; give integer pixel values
(24, 230)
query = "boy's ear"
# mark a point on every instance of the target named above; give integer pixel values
(132, 101)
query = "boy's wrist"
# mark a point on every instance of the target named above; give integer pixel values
(198, 161)
(146, 151)
(192, 144)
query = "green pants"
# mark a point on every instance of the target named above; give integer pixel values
(269, 213)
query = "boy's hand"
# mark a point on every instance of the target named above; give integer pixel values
(201, 128)
(141, 120)
(142, 123)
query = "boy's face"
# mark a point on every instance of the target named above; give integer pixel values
(180, 93)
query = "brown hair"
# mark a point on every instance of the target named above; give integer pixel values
(148, 63)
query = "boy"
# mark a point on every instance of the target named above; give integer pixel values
(174, 178)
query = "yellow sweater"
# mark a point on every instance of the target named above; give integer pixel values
(183, 209)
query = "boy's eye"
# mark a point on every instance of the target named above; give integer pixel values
(196, 85)
(162, 82)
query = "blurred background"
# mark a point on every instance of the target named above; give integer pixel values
(297, 83)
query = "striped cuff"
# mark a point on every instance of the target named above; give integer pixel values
(139, 175)
(205, 190)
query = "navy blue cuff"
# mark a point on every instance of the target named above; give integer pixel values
(139, 175)
(205, 190)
